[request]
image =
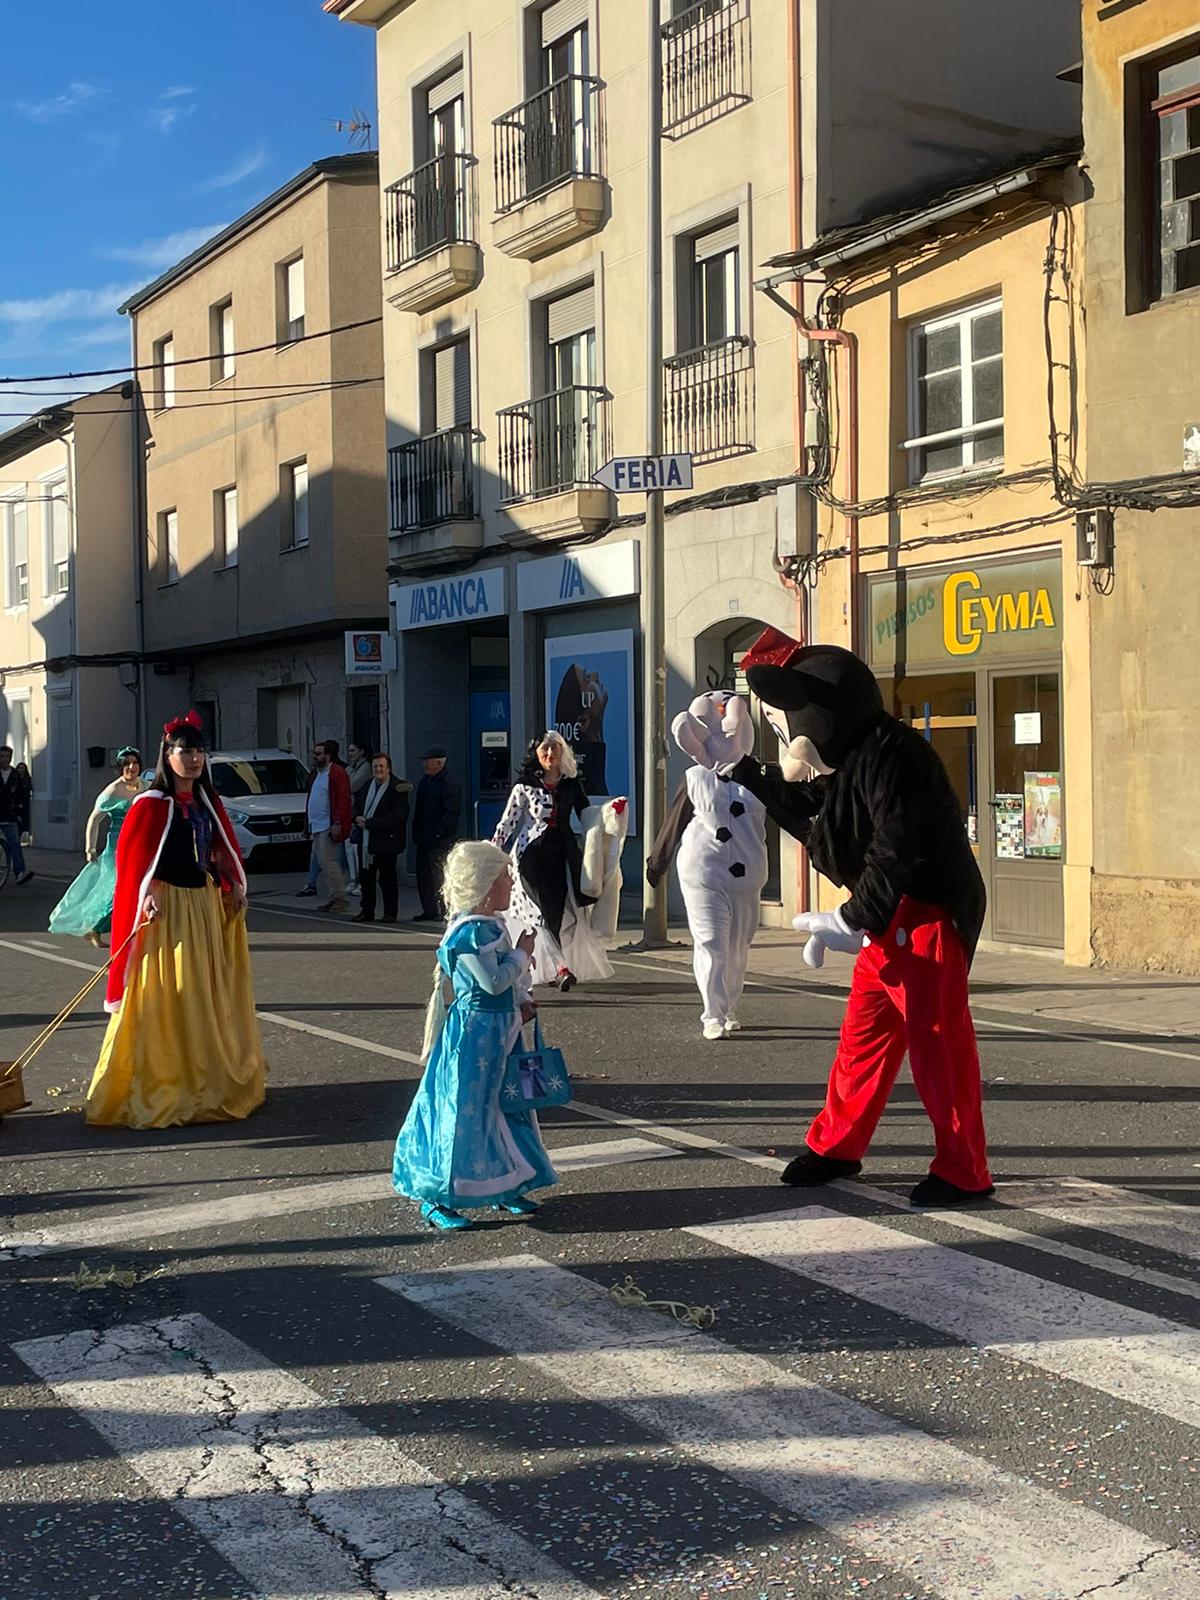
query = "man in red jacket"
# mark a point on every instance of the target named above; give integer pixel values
(330, 817)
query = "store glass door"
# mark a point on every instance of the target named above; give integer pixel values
(1026, 803)
(941, 708)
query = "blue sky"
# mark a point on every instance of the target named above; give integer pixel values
(131, 130)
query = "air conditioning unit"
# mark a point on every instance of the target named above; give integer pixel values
(1094, 538)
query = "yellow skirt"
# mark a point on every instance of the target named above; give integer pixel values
(184, 1046)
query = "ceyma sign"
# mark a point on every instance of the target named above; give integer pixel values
(974, 611)
(593, 572)
(467, 597)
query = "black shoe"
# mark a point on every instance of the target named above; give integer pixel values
(363, 917)
(935, 1191)
(809, 1170)
(301, 893)
(424, 916)
(390, 920)
(24, 877)
(565, 980)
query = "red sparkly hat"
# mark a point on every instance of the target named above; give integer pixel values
(771, 649)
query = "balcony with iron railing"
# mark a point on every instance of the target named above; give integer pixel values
(549, 451)
(433, 252)
(705, 65)
(433, 498)
(708, 400)
(549, 168)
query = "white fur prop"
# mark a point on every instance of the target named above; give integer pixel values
(604, 830)
(715, 730)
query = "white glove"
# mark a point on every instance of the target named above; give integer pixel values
(829, 930)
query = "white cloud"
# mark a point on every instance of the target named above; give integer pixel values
(164, 118)
(176, 92)
(68, 305)
(75, 95)
(164, 252)
(248, 163)
(114, 332)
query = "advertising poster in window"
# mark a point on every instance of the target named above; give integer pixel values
(589, 700)
(1009, 811)
(1043, 814)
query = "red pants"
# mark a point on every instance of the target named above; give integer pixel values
(909, 992)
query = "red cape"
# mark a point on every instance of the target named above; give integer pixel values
(139, 846)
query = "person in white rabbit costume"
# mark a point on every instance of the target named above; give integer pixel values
(719, 829)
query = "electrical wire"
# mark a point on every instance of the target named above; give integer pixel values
(70, 395)
(232, 398)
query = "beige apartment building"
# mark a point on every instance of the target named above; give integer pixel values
(264, 498)
(513, 162)
(68, 635)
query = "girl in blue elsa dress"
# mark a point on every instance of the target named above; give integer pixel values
(86, 909)
(457, 1149)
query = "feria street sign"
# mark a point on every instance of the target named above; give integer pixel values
(639, 474)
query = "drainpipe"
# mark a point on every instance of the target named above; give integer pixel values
(139, 538)
(847, 341)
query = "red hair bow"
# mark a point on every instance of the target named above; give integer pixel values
(771, 649)
(190, 723)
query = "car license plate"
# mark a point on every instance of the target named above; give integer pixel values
(286, 838)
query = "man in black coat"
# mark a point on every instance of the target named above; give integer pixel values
(435, 828)
(382, 821)
(871, 801)
(15, 797)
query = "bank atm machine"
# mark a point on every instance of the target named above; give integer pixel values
(491, 759)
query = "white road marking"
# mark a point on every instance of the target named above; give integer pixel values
(293, 1492)
(331, 1034)
(253, 1205)
(1129, 1354)
(944, 1518)
(1105, 1208)
(45, 955)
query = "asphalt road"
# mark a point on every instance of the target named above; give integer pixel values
(306, 1393)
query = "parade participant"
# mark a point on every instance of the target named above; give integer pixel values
(458, 1149)
(85, 911)
(871, 801)
(182, 1044)
(718, 827)
(548, 897)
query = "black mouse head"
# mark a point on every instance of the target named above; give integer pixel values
(825, 696)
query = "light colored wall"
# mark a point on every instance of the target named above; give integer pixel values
(1146, 667)
(915, 97)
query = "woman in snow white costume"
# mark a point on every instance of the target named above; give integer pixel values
(458, 1150)
(547, 862)
(182, 1044)
(86, 909)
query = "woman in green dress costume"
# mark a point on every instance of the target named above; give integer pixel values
(86, 909)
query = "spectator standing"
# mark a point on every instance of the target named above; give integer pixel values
(358, 770)
(435, 828)
(329, 818)
(16, 794)
(383, 824)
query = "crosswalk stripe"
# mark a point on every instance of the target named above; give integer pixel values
(1123, 1352)
(1104, 1208)
(255, 1204)
(299, 1497)
(952, 1522)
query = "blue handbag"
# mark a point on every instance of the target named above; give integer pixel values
(535, 1079)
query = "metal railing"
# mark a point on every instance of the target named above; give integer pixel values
(552, 444)
(431, 207)
(556, 135)
(706, 62)
(708, 400)
(433, 480)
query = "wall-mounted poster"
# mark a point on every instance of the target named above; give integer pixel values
(589, 700)
(1009, 811)
(1043, 814)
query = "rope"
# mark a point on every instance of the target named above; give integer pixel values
(51, 1028)
(630, 1296)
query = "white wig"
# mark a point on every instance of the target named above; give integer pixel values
(567, 764)
(471, 869)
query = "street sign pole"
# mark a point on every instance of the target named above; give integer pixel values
(654, 667)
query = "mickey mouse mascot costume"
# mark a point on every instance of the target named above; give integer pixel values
(880, 818)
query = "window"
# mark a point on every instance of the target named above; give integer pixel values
(1176, 109)
(223, 363)
(957, 379)
(17, 736)
(291, 300)
(56, 522)
(164, 368)
(445, 116)
(570, 358)
(446, 390)
(713, 302)
(168, 547)
(293, 495)
(16, 552)
(225, 518)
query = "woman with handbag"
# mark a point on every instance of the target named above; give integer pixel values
(382, 826)
(461, 1148)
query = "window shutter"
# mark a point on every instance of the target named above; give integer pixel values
(571, 315)
(229, 513)
(295, 289)
(60, 542)
(452, 385)
(227, 362)
(562, 18)
(716, 243)
(446, 90)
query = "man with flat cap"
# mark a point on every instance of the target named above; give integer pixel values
(434, 829)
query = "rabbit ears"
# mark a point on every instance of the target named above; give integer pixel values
(715, 729)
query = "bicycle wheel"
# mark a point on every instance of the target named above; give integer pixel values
(4, 868)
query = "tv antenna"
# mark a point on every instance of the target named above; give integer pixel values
(357, 129)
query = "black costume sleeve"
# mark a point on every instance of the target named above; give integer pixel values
(579, 798)
(792, 805)
(893, 789)
(658, 863)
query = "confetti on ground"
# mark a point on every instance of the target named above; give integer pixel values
(85, 1277)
